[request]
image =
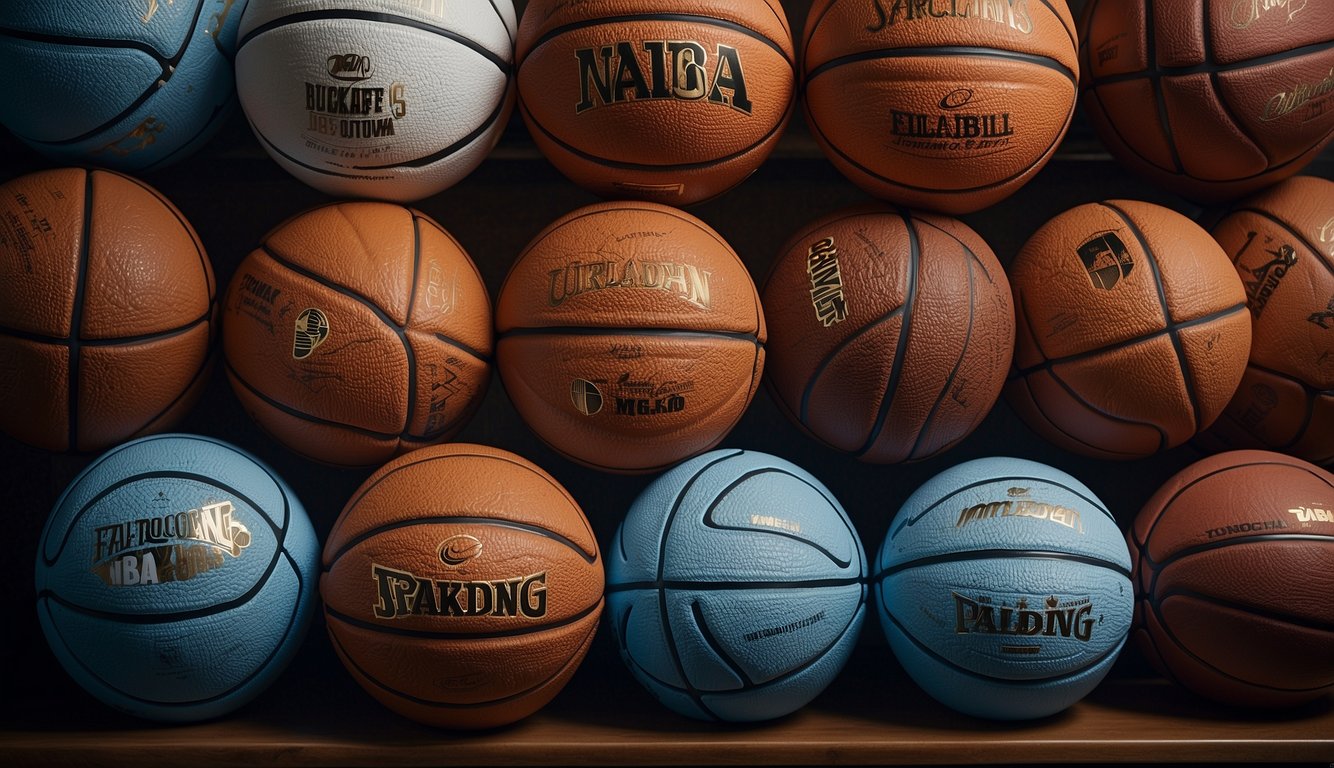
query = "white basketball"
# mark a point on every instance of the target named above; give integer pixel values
(387, 99)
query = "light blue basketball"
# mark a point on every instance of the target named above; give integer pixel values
(1003, 586)
(176, 577)
(126, 84)
(736, 587)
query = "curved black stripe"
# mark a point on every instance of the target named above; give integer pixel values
(1210, 546)
(76, 321)
(526, 629)
(710, 522)
(119, 341)
(905, 334)
(1157, 72)
(965, 556)
(1216, 84)
(380, 18)
(773, 131)
(675, 18)
(1074, 40)
(480, 520)
(716, 648)
(465, 349)
(167, 65)
(808, 391)
(579, 330)
(963, 51)
(1253, 611)
(302, 415)
(1172, 326)
(189, 390)
(1160, 98)
(1037, 405)
(958, 361)
(366, 489)
(1082, 400)
(361, 671)
(666, 585)
(407, 318)
(1111, 652)
(497, 113)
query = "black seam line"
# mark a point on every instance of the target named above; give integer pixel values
(1187, 374)
(1003, 554)
(421, 162)
(40, 338)
(1157, 72)
(503, 22)
(1301, 622)
(1262, 538)
(1311, 389)
(1074, 40)
(472, 519)
(1079, 398)
(1037, 405)
(476, 354)
(1215, 83)
(905, 334)
(370, 486)
(1114, 650)
(663, 585)
(958, 362)
(911, 521)
(966, 51)
(383, 18)
(709, 522)
(303, 416)
(1172, 326)
(1162, 508)
(408, 347)
(280, 533)
(631, 18)
(719, 652)
(166, 64)
(1159, 98)
(1320, 254)
(777, 128)
(808, 391)
(527, 629)
(456, 706)
(196, 380)
(76, 320)
(579, 330)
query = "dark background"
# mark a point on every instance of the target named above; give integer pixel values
(233, 194)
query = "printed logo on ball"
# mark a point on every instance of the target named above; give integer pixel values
(586, 396)
(158, 548)
(1308, 515)
(1018, 507)
(953, 131)
(1067, 617)
(1106, 259)
(338, 112)
(1263, 268)
(1247, 12)
(1310, 95)
(402, 594)
(676, 69)
(311, 330)
(831, 307)
(1012, 13)
(685, 281)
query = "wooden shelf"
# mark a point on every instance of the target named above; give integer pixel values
(872, 714)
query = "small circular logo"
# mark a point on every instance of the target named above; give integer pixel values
(312, 328)
(585, 396)
(457, 550)
(956, 98)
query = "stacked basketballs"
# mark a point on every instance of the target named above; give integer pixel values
(462, 584)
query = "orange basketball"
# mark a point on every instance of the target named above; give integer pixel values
(1282, 243)
(629, 336)
(1211, 100)
(946, 106)
(357, 331)
(673, 101)
(891, 332)
(452, 603)
(1131, 330)
(1232, 579)
(107, 310)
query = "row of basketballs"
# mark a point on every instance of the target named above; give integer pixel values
(949, 107)
(736, 585)
(630, 336)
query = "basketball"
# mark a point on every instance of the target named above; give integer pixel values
(176, 577)
(675, 102)
(357, 331)
(950, 107)
(1131, 330)
(132, 86)
(1232, 579)
(629, 336)
(736, 587)
(1282, 243)
(456, 605)
(1211, 100)
(375, 99)
(891, 332)
(1003, 587)
(107, 310)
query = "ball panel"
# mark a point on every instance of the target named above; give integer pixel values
(1196, 109)
(487, 24)
(766, 18)
(450, 297)
(1286, 128)
(1061, 416)
(1246, 31)
(842, 399)
(1274, 565)
(39, 297)
(47, 69)
(35, 374)
(1142, 141)
(1272, 412)
(1209, 353)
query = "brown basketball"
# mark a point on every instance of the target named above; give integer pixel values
(107, 310)
(1282, 243)
(946, 106)
(462, 586)
(1232, 579)
(357, 331)
(629, 336)
(1211, 100)
(891, 332)
(1131, 330)
(673, 101)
